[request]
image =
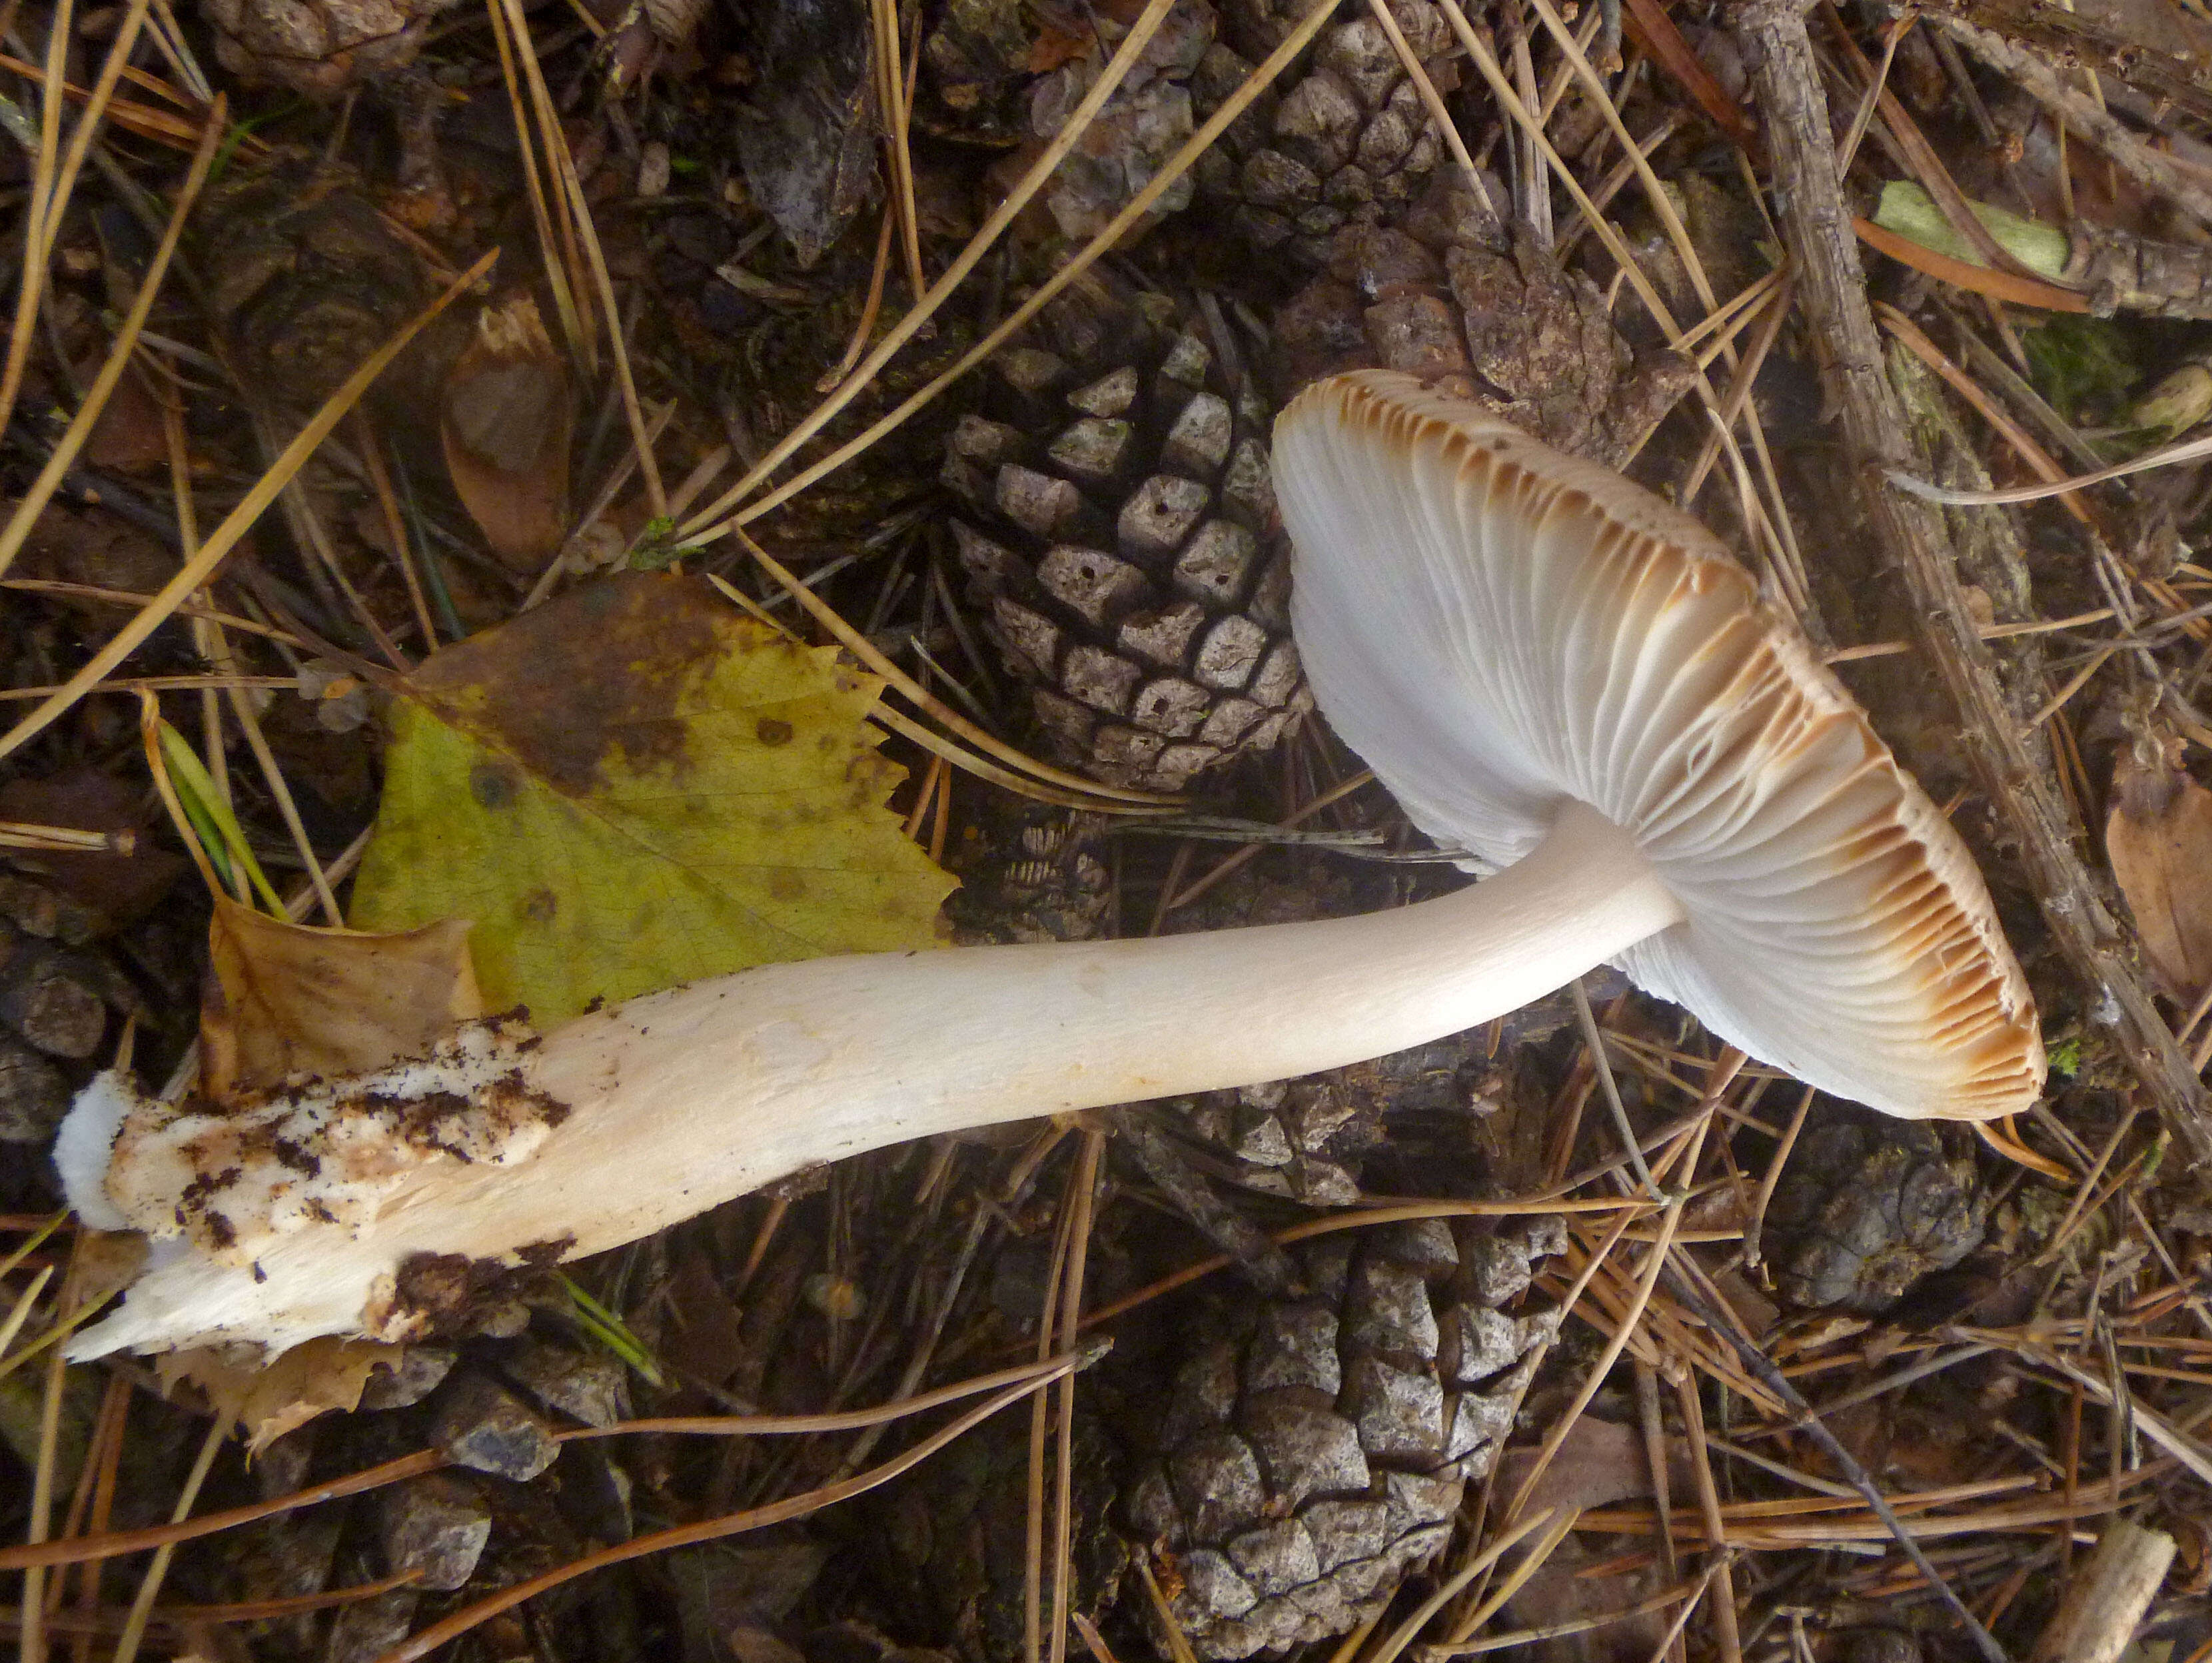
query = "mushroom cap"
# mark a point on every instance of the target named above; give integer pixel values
(1496, 627)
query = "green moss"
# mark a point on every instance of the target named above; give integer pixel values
(2081, 364)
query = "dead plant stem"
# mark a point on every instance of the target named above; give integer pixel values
(1034, 1517)
(891, 84)
(1085, 1193)
(395, 527)
(510, 36)
(81, 136)
(1553, 1523)
(1654, 1429)
(1715, 1315)
(1709, 1505)
(2083, 114)
(1646, 1279)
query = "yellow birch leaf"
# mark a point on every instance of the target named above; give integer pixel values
(634, 786)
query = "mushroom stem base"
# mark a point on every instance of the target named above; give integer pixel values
(682, 1100)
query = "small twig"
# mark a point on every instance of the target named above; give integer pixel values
(2105, 1606)
(1927, 167)
(1756, 1226)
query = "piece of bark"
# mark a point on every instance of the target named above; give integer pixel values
(1831, 289)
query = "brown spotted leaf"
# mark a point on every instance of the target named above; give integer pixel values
(2159, 838)
(289, 999)
(636, 786)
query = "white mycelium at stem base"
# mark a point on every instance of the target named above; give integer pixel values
(672, 1103)
(1546, 666)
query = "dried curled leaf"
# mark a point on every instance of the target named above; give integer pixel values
(2158, 838)
(286, 998)
(266, 1402)
(635, 786)
(504, 421)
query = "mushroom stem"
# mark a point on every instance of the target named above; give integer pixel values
(682, 1100)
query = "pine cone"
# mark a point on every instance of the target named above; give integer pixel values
(1131, 138)
(1296, 1138)
(319, 47)
(307, 280)
(1453, 296)
(1124, 545)
(1867, 1206)
(1343, 139)
(1035, 875)
(1313, 1451)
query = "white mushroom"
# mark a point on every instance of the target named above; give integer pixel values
(1549, 668)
